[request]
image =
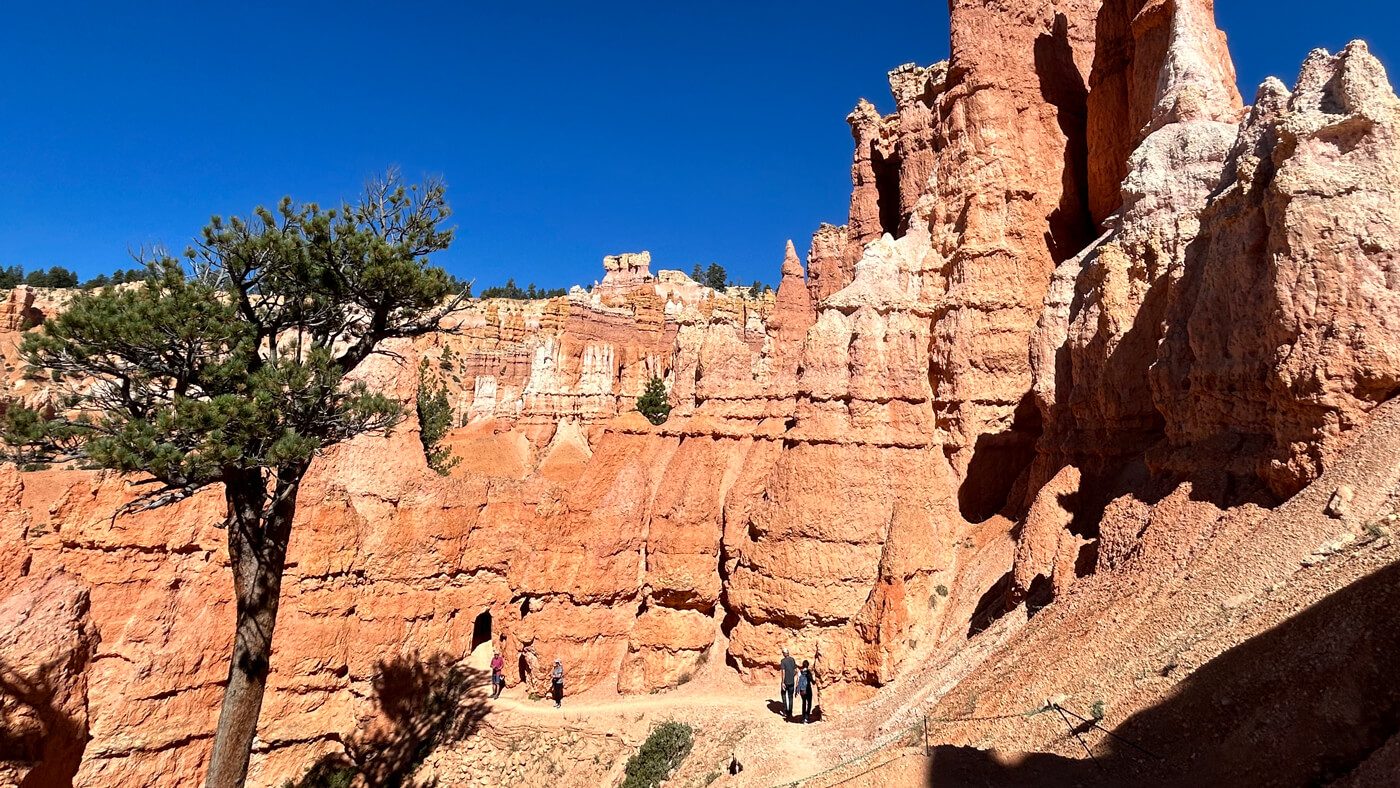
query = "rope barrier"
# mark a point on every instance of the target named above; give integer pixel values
(1082, 743)
(884, 742)
(888, 739)
(1123, 739)
(880, 745)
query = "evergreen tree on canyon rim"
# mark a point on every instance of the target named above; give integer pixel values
(234, 367)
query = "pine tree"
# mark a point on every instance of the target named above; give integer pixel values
(697, 274)
(10, 277)
(456, 285)
(62, 277)
(716, 277)
(55, 276)
(654, 402)
(231, 369)
(434, 420)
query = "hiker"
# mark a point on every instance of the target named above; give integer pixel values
(498, 674)
(789, 667)
(556, 681)
(806, 685)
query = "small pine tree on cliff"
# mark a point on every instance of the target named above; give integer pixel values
(435, 419)
(231, 370)
(654, 403)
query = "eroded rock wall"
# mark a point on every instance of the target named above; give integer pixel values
(1282, 337)
(967, 401)
(1232, 324)
(1105, 313)
(47, 644)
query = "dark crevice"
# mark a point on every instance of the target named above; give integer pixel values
(730, 618)
(1062, 86)
(887, 191)
(1087, 560)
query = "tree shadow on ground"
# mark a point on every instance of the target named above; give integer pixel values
(422, 704)
(1304, 703)
(37, 737)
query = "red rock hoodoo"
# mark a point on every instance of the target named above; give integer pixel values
(1089, 322)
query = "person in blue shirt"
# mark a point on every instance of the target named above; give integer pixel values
(806, 685)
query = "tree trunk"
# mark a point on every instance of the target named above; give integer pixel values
(259, 527)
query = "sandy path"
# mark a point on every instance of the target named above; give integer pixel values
(779, 751)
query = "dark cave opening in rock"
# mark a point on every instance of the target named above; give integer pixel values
(481, 629)
(887, 192)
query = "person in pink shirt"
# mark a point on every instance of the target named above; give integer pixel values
(498, 674)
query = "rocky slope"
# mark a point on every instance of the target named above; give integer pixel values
(1090, 329)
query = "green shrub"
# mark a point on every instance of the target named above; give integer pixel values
(1097, 710)
(660, 754)
(322, 776)
(654, 403)
(434, 420)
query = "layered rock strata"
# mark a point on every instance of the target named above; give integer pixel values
(966, 402)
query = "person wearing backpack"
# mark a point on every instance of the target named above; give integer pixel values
(806, 684)
(498, 674)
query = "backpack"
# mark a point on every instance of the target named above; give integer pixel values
(802, 684)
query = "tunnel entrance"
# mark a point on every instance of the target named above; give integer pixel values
(481, 630)
(480, 656)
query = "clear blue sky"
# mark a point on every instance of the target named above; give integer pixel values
(566, 131)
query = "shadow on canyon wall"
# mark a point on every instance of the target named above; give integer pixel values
(423, 703)
(998, 465)
(35, 734)
(1301, 704)
(1063, 87)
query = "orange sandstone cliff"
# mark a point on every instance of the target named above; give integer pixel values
(1090, 321)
